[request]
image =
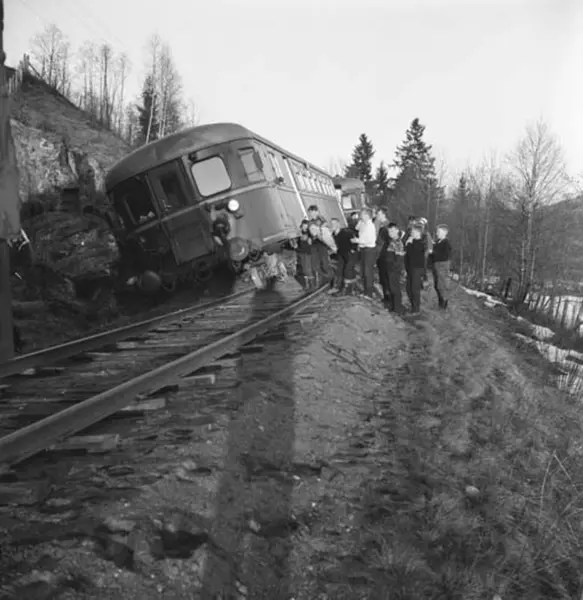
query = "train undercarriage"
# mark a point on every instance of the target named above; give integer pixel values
(259, 267)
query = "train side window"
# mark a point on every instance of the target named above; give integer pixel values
(210, 176)
(133, 202)
(249, 161)
(275, 165)
(299, 177)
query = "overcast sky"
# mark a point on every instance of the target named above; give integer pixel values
(312, 75)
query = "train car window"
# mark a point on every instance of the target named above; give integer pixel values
(252, 170)
(211, 176)
(133, 202)
(275, 165)
(315, 182)
(168, 185)
(298, 173)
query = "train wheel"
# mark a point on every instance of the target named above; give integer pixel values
(169, 286)
(236, 266)
(203, 272)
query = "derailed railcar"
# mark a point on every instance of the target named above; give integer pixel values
(208, 195)
(352, 194)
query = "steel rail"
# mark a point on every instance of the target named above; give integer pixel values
(54, 354)
(41, 435)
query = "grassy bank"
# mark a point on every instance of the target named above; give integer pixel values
(479, 492)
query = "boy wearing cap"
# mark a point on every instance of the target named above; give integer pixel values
(441, 255)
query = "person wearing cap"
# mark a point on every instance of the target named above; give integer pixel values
(322, 243)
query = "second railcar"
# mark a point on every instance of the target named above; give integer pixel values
(352, 194)
(211, 194)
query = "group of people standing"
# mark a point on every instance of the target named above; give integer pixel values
(374, 243)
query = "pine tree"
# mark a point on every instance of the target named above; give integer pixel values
(362, 156)
(381, 179)
(147, 113)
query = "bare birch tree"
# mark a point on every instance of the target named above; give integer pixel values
(191, 114)
(336, 166)
(539, 168)
(121, 72)
(50, 54)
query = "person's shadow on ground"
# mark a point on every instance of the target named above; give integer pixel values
(252, 524)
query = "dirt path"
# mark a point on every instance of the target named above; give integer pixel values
(368, 457)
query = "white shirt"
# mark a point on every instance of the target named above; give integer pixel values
(367, 235)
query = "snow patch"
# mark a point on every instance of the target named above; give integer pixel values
(488, 300)
(570, 363)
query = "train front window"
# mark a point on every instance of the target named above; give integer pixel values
(168, 184)
(210, 176)
(348, 202)
(249, 160)
(133, 203)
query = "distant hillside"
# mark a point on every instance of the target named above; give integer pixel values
(58, 145)
(561, 241)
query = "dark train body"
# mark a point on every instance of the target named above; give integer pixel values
(210, 195)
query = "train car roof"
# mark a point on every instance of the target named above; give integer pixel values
(183, 142)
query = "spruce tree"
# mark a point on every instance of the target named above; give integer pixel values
(362, 156)
(415, 185)
(414, 154)
(147, 112)
(381, 179)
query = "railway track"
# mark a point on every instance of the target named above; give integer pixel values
(43, 405)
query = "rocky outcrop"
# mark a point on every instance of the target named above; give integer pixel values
(62, 158)
(58, 146)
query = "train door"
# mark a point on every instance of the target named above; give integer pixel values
(293, 199)
(275, 177)
(186, 224)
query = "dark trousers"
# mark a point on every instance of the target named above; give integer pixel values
(322, 267)
(395, 295)
(306, 263)
(414, 286)
(441, 280)
(383, 277)
(345, 269)
(391, 281)
(368, 258)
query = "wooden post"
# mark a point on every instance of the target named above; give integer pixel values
(6, 325)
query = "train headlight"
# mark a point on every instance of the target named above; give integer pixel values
(233, 205)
